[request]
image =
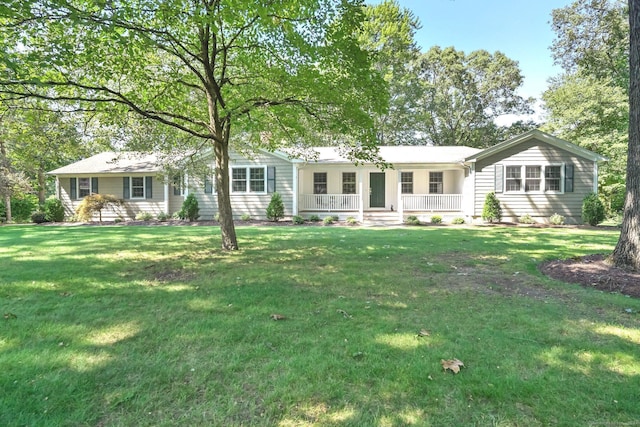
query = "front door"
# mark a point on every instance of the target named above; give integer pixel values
(376, 190)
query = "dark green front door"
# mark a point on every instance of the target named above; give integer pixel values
(376, 190)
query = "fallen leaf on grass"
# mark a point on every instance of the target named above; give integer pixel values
(344, 313)
(10, 316)
(277, 317)
(453, 364)
(424, 333)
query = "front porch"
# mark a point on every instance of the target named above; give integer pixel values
(382, 196)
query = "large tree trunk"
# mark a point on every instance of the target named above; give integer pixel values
(627, 251)
(6, 192)
(227, 228)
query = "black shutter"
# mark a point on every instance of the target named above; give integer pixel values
(73, 182)
(94, 185)
(148, 187)
(126, 191)
(208, 185)
(568, 178)
(271, 179)
(499, 179)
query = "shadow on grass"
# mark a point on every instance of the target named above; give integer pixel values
(109, 339)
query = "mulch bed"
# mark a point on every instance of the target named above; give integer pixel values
(595, 272)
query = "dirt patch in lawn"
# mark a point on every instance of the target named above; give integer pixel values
(595, 272)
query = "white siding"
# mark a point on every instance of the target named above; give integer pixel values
(540, 205)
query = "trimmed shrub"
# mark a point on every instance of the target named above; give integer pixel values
(275, 210)
(556, 219)
(162, 216)
(144, 216)
(351, 220)
(245, 217)
(593, 212)
(458, 220)
(190, 209)
(412, 220)
(53, 209)
(328, 220)
(39, 217)
(314, 218)
(436, 219)
(526, 219)
(492, 210)
(297, 219)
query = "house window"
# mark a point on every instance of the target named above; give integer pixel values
(84, 187)
(256, 180)
(513, 178)
(137, 187)
(319, 183)
(248, 180)
(435, 182)
(406, 182)
(178, 185)
(532, 178)
(552, 178)
(348, 183)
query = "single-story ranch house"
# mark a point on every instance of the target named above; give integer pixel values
(534, 173)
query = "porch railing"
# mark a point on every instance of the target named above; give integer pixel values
(330, 202)
(432, 202)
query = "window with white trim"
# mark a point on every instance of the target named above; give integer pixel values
(436, 180)
(552, 178)
(348, 183)
(406, 182)
(532, 179)
(84, 187)
(319, 183)
(248, 179)
(137, 187)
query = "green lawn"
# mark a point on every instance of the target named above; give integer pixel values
(156, 326)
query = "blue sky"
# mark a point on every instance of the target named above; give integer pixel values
(518, 28)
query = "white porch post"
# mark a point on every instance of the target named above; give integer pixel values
(295, 189)
(400, 204)
(361, 192)
(186, 185)
(166, 195)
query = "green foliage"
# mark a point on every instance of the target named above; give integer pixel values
(458, 220)
(245, 217)
(39, 217)
(314, 218)
(557, 219)
(144, 216)
(162, 216)
(593, 211)
(22, 206)
(190, 210)
(95, 203)
(436, 219)
(526, 219)
(492, 209)
(297, 219)
(412, 220)
(451, 79)
(328, 220)
(54, 209)
(351, 220)
(275, 210)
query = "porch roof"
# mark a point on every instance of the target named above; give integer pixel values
(408, 154)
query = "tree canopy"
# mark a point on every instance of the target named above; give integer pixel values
(260, 74)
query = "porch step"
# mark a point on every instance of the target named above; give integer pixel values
(381, 218)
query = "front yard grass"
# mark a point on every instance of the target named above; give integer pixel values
(157, 326)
